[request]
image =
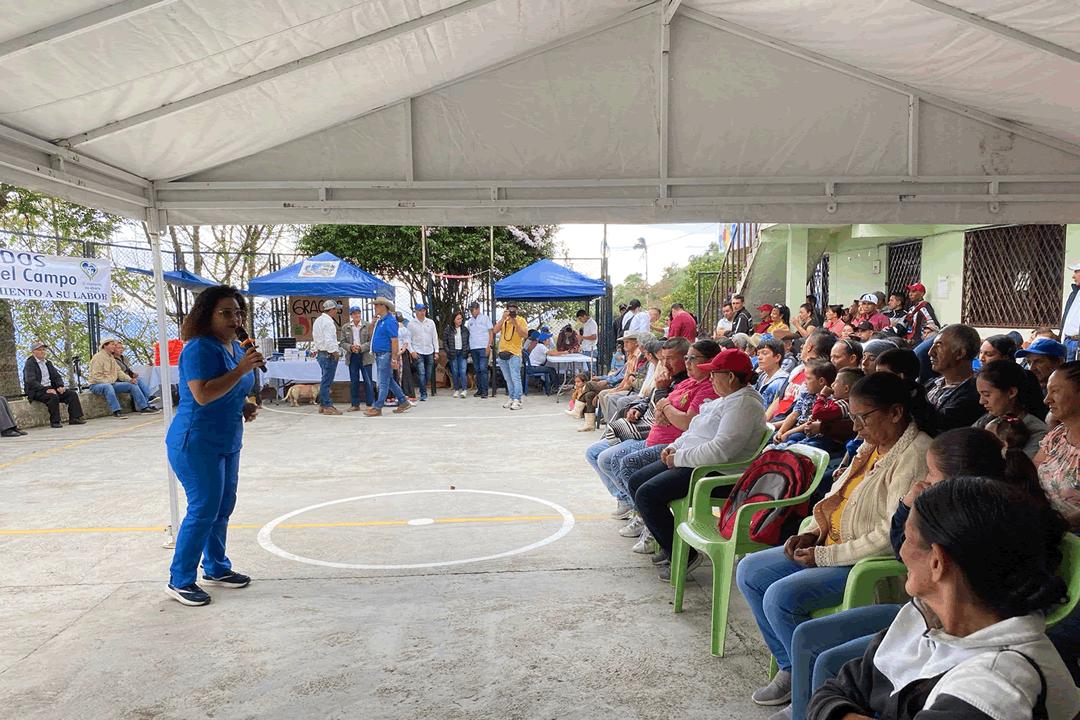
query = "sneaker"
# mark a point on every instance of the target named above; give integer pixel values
(192, 595)
(118, 415)
(423, 398)
(230, 580)
(516, 405)
(404, 407)
(149, 410)
(777, 692)
(373, 412)
(665, 572)
(646, 544)
(55, 425)
(622, 512)
(77, 421)
(785, 714)
(508, 403)
(633, 528)
(660, 557)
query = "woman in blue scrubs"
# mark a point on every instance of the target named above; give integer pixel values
(216, 375)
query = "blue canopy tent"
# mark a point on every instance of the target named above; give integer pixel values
(180, 278)
(547, 281)
(325, 275)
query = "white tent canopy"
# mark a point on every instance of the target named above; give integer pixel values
(518, 111)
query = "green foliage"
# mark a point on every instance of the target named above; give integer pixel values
(394, 253)
(685, 291)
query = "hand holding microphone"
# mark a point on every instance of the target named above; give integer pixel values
(252, 357)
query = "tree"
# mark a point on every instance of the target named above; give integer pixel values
(394, 253)
(631, 288)
(686, 289)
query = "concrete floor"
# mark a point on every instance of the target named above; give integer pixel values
(575, 628)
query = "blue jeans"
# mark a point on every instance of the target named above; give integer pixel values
(425, 368)
(1071, 346)
(209, 481)
(626, 465)
(604, 458)
(358, 370)
(1066, 638)
(511, 372)
(328, 365)
(459, 365)
(480, 369)
(147, 393)
(387, 383)
(821, 646)
(109, 390)
(782, 594)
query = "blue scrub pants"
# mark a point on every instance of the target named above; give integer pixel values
(209, 481)
(821, 646)
(387, 383)
(328, 365)
(782, 593)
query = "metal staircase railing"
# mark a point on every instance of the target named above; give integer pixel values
(715, 287)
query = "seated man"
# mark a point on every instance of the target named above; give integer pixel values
(1044, 356)
(591, 395)
(43, 383)
(538, 354)
(107, 379)
(953, 395)
(632, 381)
(118, 353)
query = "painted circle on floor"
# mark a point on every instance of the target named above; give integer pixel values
(267, 542)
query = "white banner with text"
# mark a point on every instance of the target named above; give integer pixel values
(26, 275)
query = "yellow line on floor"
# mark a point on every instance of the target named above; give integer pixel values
(363, 523)
(75, 443)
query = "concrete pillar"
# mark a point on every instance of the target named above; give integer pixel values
(795, 287)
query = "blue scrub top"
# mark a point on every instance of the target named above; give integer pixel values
(217, 427)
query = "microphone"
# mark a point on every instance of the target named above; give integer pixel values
(246, 341)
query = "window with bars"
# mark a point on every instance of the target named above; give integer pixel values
(818, 284)
(905, 265)
(1013, 276)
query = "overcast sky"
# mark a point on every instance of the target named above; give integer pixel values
(667, 244)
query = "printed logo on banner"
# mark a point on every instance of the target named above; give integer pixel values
(28, 275)
(319, 268)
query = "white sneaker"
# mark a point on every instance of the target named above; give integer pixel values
(516, 405)
(633, 528)
(508, 403)
(646, 545)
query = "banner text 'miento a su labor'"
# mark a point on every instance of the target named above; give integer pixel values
(26, 275)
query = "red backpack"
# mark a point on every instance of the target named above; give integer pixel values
(774, 475)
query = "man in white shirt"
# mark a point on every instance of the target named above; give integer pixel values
(425, 344)
(324, 336)
(640, 322)
(1070, 319)
(538, 355)
(589, 333)
(481, 338)
(633, 308)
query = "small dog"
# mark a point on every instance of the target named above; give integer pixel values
(300, 392)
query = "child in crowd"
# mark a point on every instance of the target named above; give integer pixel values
(579, 388)
(819, 374)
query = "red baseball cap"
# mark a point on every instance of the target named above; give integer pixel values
(919, 287)
(731, 360)
(764, 308)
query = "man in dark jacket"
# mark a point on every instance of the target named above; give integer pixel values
(953, 395)
(43, 383)
(742, 322)
(1070, 318)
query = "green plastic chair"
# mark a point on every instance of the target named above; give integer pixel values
(701, 533)
(681, 508)
(1069, 570)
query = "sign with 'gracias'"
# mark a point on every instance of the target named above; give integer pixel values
(28, 275)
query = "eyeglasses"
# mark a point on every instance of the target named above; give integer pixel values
(228, 314)
(860, 418)
(692, 359)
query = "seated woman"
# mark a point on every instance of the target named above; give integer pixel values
(1004, 393)
(1058, 458)
(821, 646)
(982, 559)
(784, 585)
(726, 430)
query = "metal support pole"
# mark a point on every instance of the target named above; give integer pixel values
(93, 310)
(491, 301)
(153, 222)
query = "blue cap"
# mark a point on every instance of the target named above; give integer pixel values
(1044, 346)
(421, 306)
(534, 335)
(354, 308)
(545, 336)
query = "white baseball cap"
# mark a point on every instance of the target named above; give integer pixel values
(870, 298)
(1075, 266)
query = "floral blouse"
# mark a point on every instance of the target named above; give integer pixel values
(1059, 474)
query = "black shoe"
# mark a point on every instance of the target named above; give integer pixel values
(149, 410)
(660, 557)
(76, 421)
(192, 595)
(692, 562)
(56, 425)
(118, 414)
(11, 432)
(229, 580)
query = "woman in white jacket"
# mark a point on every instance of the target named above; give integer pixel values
(725, 430)
(982, 559)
